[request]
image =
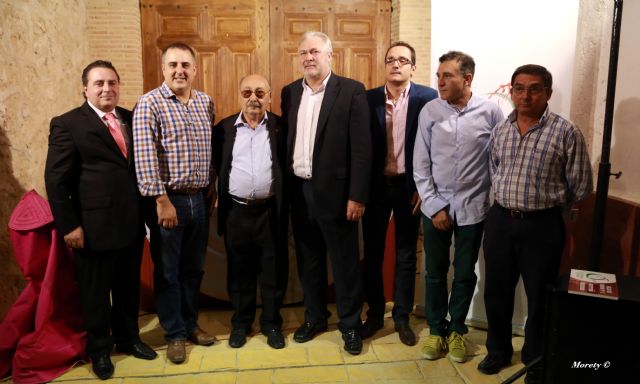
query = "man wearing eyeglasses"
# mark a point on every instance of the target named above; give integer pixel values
(248, 156)
(330, 157)
(394, 109)
(451, 171)
(539, 166)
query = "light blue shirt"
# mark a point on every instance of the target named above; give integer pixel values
(451, 158)
(251, 174)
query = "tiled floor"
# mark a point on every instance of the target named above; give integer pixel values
(322, 360)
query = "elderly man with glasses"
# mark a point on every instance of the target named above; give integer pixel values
(248, 156)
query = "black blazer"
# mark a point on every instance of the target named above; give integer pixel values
(223, 138)
(342, 150)
(90, 183)
(419, 95)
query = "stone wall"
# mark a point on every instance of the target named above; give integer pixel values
(43, 52)
(45, 45)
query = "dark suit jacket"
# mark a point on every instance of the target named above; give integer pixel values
(419, 95)
(342, 149)
(224, 135)
(90, 183)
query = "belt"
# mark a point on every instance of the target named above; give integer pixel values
(396, 180)
(250, 202)
(186, 191)
(518, 214)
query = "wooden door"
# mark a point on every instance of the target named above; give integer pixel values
(359, 32)
(235, 38)
(230, 37)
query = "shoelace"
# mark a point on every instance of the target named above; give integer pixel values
(456, 341)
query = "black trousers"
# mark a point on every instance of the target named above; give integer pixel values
(256, 253)
(316, 236)
(110, 296)
(374, 229)
(514, 246)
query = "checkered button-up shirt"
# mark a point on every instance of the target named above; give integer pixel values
(548, 166)
(172, 141)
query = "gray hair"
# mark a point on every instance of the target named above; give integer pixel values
(323, 36)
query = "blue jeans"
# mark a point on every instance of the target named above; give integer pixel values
(178, 256)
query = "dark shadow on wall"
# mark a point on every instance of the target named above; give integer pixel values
(11, 279)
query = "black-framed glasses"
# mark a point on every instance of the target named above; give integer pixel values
(260, 93)
(402, 61)
(535, 89)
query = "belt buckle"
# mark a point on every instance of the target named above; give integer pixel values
(517, 214)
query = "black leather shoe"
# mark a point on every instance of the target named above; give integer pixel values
(139, 350)
(352, 341)
(274, 338)
(102, 366)
(492, 364)
(307, 331)
(370, 327)
(406, 334)
(237, 338)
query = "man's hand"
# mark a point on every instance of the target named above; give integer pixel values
(75, 238)
(355, 210)
(415, 203)
(441, 220)
(167, 216)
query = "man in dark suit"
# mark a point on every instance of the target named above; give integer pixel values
(394, 111)
(91, 183)
(329, 146)
(248, 156)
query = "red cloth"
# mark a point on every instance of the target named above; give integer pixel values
(42, 335)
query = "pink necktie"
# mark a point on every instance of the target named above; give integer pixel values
(114, 128)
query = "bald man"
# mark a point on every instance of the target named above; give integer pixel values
(248, 155)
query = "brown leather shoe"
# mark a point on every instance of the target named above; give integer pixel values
(176, 351)
(199, 337)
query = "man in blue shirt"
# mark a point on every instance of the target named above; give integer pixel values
(451, 171)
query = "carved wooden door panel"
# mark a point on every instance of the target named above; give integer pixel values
(359, 31)
(230, 37)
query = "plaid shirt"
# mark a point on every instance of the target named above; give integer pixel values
(546, 167)
(172, 141)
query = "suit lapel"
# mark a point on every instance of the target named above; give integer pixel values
(292, 113)
(101, 130)
(381, 107)
(227, 155)
(413, 110)
(330, 95)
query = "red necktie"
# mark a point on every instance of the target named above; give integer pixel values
(114, 129)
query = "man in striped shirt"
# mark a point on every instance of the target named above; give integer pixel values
(539, 167)
(172, 143)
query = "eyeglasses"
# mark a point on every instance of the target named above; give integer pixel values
(533, 90)
(260, 93)
(402, 61)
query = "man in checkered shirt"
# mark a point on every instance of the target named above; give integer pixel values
(172, 142)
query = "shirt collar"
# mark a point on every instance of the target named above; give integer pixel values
(167, 93)
(322, 87)
(100, 112)
(240, 121)
(404, 93)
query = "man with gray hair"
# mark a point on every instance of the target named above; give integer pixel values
(451, 171)
(330, 157)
